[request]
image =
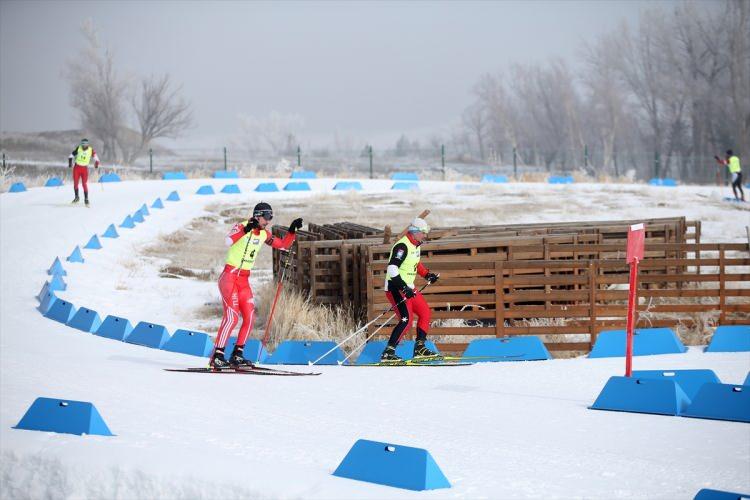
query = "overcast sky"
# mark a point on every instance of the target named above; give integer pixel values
(367, 70)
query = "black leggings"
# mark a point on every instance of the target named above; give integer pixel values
(737, 184)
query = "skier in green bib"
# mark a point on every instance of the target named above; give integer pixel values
(732, 162)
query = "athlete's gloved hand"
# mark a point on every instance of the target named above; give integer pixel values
(431, 278)
(409, 292)
(251, 224)
(296, 224)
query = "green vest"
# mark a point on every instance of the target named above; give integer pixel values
(408, 269)
(734, 165)
(83, 157)
(250, 249)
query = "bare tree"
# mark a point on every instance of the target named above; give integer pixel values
(738, 34)
(276, 133)
(475, 121)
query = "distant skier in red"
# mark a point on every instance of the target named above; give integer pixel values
(245, 241)
(82, 154)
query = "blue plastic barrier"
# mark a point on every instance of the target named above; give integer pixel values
(560, 179)
(267, 187)
(404, 176)
(57, 268)
(690, 381)
(300, 352)
(114, 327)
(392, 465)
(157, 203)
(735, 338)
(303, 174)
(128, 223)
(231, 189)
(297, 186)
(494, 179)
(53, 182)
(173, 196)
(110, 177)
(747, 379)
(144, 210)
(666, 182)
(721, 402)
(226, 174)
(174, 176)
(61, 311)
(149, 335)
(63, 416)
(507, 349)
(642, 395)
(17, 187)
(57, 284)
(708, 494)
(405, 186)
(190, 342)
(207, 189)
(253, 349)
(93, 243)
(138, 217)
(646, 341)
(75, 255)
(86, 320)
(46, 301)
(348, 186)
(43, 291)
(111, 232)
(405, 350)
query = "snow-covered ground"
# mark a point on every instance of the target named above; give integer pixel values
(499, 430)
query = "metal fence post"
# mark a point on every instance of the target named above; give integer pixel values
(3, 161)
(442, 158)
(225, 158)
(614, 160)
(515, 163)
(150, 160)
(369, 151)
(585, 156)
(299, 156)
(656, 164)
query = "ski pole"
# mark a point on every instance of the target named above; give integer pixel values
(267, 331)
(366, 340)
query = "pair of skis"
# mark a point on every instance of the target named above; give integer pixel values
(244, 370)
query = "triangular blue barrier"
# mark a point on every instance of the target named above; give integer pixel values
(190, 342)
(405, 350)
(734, 338)
(253, 349)
(144, 210)
(86, 320)
(60, 310)
(138, 216)
(642, 395)
(174, 176)
(43, 291)
(690, 381)
(494, 179)
(111, 177)
(205, 190)
(300, 352)
(404, 176)
(57, 268)
(149, 335)
(507, 349)
(707, 494)
(63, 416)
(111, 232)
(173, 196)
(392, 465)
(114, 327)
(231, 189)
(297, 186)
(128, 223)
(747, 379)
(157, 203)
(560, 179)
(303, 174)
(46, 302)
(226, 174)
(266, 187)
(75, 255)
(666, 182)
(721, 402)
(348, 186)
(405, 186)
(17, 187)
(94, 243)
(53, 182)
(57, 284)
(646, 341)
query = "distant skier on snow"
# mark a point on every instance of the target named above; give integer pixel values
(403, 267)
(732, 162)
(82, 154)
(244, 240)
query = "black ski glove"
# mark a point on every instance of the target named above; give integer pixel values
(296, 224)
(431, 278)
(408, 292)
(251, 224)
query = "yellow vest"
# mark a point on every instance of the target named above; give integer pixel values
(408, 269)
(250, 249)
(734, 165)
(83, 157)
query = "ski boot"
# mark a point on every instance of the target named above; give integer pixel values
(423, 353)
(86, 201)
(237, 360)
(389, 356)
(76, 199)
(217, 361)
